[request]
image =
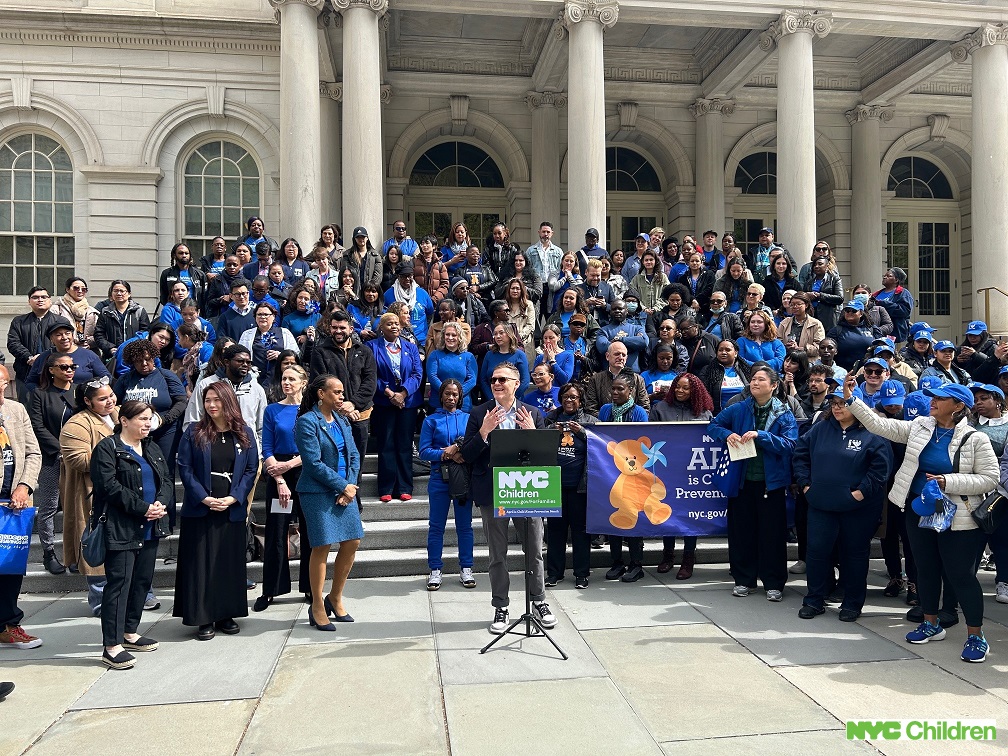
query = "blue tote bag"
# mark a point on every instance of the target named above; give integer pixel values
(15, 539)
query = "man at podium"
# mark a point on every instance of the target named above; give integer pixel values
(505, 411)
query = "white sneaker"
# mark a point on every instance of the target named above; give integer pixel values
(774, 595)
(546, 618)
(466, 578)
(798, 568)
(1002, 593)
(434, 581)
(500, 621)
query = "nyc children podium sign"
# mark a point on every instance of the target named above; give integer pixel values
(526, 491)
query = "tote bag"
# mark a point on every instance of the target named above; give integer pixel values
(15, 539)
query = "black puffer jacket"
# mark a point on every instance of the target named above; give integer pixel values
(111, 330)
(118, 491)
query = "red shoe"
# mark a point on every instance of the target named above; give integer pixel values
(405, 497)
(386, 498)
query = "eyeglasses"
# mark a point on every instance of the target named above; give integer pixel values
(500, 379)
(68, 368)
(39, 296)
(264, 314)
(873, 372)
(666, 328)
(79, 288)
(98, 382)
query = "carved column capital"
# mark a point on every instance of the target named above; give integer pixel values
(536, 100)
(378, 6)
(317, 5)
(985, 36)
(605, 12)
(793, 21)
(704, 106)
(869, 112)
(386, 94)
(332, 90)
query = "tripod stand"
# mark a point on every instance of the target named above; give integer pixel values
(533, 627)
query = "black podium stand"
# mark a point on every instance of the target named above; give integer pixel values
(517, 448)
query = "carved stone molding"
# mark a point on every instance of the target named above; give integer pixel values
(332, 90)
(986, 35)
(378, 6)
(605, 12)
(215, 100)
(459, 110)
(560, 28)
(939, 124)
(22, 92)
(627, 115)
(317, 5)
(703, 106)
(546, 100)
(793, 21)
(386, 94)
(868, 112)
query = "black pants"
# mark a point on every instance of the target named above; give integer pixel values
(635, 546)
(129, 575)
(851, 534)
(168, 443)
(668, 546)
(955, 552)
(757, 536)
(361, 430)
(394, 430)
(896, 533)
(574, 515)
(801, 517)
(276, 563)
(10, 589)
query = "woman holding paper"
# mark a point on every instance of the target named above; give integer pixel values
(760, 433)
(282, 465)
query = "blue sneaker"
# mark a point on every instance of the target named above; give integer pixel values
(975, 649)
(926, 632)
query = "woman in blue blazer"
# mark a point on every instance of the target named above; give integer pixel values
(397, 399)
(330, 466)
(218, 461)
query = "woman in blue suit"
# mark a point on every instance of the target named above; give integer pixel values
(328, 483)
(397, 399)
(218, 461)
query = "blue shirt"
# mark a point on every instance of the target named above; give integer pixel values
(149, 488)
(731, 386)
(636, 414)
(544, 401)
(934, 459)
(337, 435)
(650, 376)
(278, 430)
(186, 277)
(298, 322)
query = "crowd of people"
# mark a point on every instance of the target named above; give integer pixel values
(264, 360)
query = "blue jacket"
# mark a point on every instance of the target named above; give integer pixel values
(636, 341)
(852, 341)
(320, 457)
(408, 247)
(439, 431)
(770, 352)
(410, 372)
(834, 463)
(899, 306)
(444, 365)
(194, 470)
(637, 414)
(776, 442)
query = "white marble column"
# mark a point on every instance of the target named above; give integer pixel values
(545, 168)
(585, 21)
(710, 177)
(867, 237)
(332, 194)
(793, 33)
(300, 130)
(363, 167)
(988, 47)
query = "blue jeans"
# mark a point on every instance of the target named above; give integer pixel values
(437, 489)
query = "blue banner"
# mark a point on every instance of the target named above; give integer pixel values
(656, 479)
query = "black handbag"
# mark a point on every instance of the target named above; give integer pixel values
(93, 543)
(458, 478)
(990, 512)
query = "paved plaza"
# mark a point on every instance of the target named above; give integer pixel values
(659, 666)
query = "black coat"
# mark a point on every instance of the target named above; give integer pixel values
(358, 370)
(111, 331)
(712, 376)
(704, 289)
(476, 451)
(49, 409)
(24, 337)
(118, 491)
(170, 276)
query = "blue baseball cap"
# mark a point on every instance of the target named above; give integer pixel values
(975, 328)
(951, 391)
(876, 361)
(921, 325)
(930, 381)
(1003, 370)
(929, 501)
(922, 335)
(854, 305)
(766, 230)
(891, 394)
(857, 393)
(916, 405)
(943, 345)
(989, 388)
(884, 348)
(645, 237)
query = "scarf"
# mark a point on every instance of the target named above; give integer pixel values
(619, 411)
(77, 309)
(401, 296)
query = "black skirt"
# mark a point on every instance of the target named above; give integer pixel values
(210, 581)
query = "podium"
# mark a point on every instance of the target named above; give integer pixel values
(525, 484)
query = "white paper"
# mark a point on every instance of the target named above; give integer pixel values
(277, 508)
(745, 450)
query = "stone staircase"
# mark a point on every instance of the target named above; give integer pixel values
(395, 543)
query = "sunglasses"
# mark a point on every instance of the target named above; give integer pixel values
(98, 382)
(399, 228)
(873, 372)
(500, 379)
(820, 249)
(68, 368)
(752, 293)
(79, 288)
(666, 328)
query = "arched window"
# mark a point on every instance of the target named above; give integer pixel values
(222, 189)
(757, 173)
(457, 164)
(629, 171)
(36, 214)
(917, 178)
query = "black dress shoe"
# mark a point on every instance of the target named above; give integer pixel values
(947, 618)
(635, 573)
(205, 632)
(228, 627)
(849, 615)
(5, 689)
(808, 612)
(261, 603)
(52, 562)
(916, 614)
(615, 572)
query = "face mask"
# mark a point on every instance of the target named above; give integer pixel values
(862, 298)
(631, 308)
(717, 310)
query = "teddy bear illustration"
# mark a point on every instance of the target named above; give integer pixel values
(636, 489)
(568, 438)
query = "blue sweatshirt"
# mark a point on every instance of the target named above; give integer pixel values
(492, 359)
(461, 366)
